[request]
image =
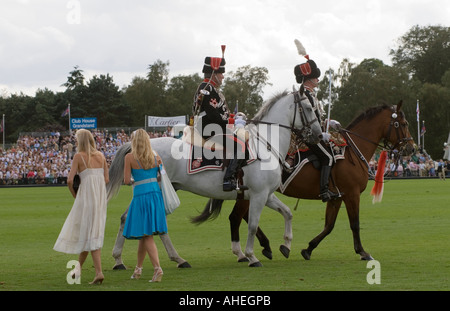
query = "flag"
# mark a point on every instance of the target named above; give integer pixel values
(422, 132)
(65, 112)
(418, 111)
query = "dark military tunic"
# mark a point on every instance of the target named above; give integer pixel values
(210, 106)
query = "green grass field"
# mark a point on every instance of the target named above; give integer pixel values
(407, 233)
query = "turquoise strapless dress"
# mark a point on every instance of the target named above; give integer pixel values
(146, 214)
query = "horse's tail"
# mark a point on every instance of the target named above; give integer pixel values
(211, 211)
(378, 187)
(116, 171)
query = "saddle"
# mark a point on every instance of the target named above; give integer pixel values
(299, 155)
(193, 137)
(211, 154)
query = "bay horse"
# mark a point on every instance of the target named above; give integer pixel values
(350, 177)
(270, 137)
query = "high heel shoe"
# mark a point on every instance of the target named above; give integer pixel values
(98, 280)
(157, 276)
(137, 273)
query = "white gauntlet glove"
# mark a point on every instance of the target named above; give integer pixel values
(335, 124)
(240, 122)
(326, 137)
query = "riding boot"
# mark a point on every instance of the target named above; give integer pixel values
(229, 180)
(325, 193)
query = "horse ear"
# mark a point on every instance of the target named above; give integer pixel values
(399, 106)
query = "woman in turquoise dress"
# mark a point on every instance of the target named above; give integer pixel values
(146, 215)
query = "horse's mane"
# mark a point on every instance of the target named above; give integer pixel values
(268, 105)
(368, 114)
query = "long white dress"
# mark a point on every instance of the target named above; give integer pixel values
(84, 227)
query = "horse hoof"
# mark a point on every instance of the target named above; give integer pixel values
(267, 254)
(367, 257)
(120, 267)
(184, 265)
(285, 251)
(255, 265)
(245, 259)
(306, 254)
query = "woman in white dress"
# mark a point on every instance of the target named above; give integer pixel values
(84, 228)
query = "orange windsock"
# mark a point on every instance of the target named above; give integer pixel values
(378, 187)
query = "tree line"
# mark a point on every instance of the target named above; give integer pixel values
(420, 70)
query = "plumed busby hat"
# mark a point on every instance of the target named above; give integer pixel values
(305, 71)
(215, 64)
(308, 70)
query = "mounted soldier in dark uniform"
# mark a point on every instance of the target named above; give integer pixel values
(308, 74)
(212, 114)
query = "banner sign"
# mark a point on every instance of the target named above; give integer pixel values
(165, 121)
(83, 123)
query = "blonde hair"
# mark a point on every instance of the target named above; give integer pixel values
(142, 149)
(86, 143)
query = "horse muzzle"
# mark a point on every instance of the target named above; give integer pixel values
(409, 149)
(314, 139)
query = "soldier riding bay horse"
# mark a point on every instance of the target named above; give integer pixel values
(350, 176)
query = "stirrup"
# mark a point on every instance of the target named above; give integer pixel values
(329, 195)
(229, 185)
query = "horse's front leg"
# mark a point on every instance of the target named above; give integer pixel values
(275, 204)
(239, 212)
(353, 217)
(256, 206)
(330, 219)
(118, 246)
(262, 238)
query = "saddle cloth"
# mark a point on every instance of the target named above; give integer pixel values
(201, 151)
(299, 155)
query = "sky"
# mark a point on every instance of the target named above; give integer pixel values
(41, 41)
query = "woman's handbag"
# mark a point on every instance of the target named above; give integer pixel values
(76, 183)
(171, 200)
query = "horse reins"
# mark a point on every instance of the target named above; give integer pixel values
(292, 128)
(297, 101)
(386, 144)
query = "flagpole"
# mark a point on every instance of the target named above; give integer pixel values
(3, 130)
(423, 137)
(418, 124)
(329, 106)
(70, 130)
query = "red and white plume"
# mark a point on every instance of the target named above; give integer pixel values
(223, 47)
(301, 49)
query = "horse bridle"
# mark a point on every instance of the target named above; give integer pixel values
(306, 130)
(400, 144)
(303, 132)
(387, 145)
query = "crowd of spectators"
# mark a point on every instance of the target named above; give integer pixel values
(416, 165)
(46, 159)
